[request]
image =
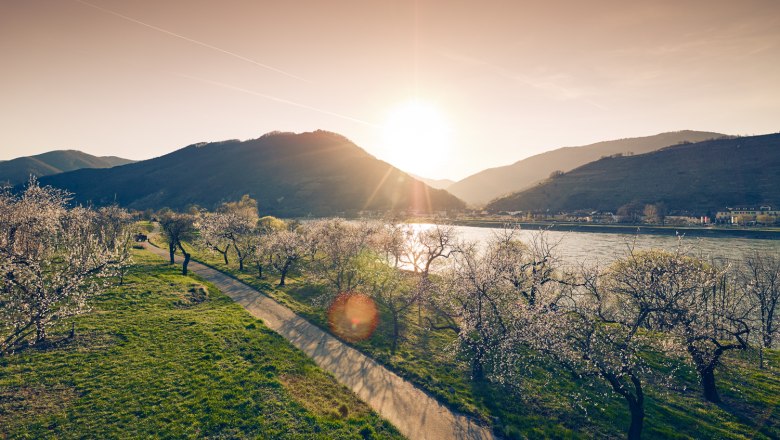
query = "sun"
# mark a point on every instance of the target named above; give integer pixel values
(417, 138)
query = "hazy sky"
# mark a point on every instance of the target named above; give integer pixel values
(500, 81)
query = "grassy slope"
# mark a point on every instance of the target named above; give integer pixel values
(149, 362)
(543, 409)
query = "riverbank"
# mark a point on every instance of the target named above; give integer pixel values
(688, 231)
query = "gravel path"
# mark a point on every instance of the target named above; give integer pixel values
(414, 413)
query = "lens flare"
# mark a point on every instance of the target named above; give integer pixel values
(353, 316)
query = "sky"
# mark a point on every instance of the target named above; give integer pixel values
(442, 89)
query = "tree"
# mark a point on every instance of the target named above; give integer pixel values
(511, 305)
(391, 241)
(51, 261)
(426, 246)
(765, 219)
(591, 345)
(387, 286)
(595, 329)
(661, 211)
(285, 248)
(214, 233)
(241, 226)
(114, 230)
(531, 268)
(744, 219)
(651, 214)
(630, 212)
(177, 229)
(269, 224)
(336, 249)
(262, 254)
(476, 301)
(689, 299)
(762, 284)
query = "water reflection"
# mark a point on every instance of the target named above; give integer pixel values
(588, 248)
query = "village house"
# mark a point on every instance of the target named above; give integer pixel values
(743, 216)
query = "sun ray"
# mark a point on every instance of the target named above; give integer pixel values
(378, 187)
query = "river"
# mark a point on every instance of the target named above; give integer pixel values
(588, 247)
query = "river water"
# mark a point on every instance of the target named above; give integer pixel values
(589, 247)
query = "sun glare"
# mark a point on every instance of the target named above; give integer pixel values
(417, 138)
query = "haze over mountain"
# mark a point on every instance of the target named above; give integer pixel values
(18, 170)
(700, 177)
(435, 183)
(486, 185)
(316, 173)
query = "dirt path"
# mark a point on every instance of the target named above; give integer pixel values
(414, 413)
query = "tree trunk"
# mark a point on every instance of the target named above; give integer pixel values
(395, 333)
(284, 270)
(260, 271)
(186, 260)
(40, 332)
(477, 370)
(224, 255)
(282, 277)
(637, 421)
(636, 401)
(477, 367)
(708, 385)
(171, 251)
(240, 258)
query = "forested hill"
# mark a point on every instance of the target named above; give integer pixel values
(19, 170)
(489, 184)
(317, 173)
(700, 177)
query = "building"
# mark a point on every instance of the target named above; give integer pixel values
(743, 216)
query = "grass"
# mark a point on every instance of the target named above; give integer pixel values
(543, 407)
(168, 356)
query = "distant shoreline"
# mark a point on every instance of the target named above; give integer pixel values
(688, 231)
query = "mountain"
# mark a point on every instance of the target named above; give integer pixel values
(317, 173)
(486, 185)
(700, 177)
(434, 183)
(18, 170)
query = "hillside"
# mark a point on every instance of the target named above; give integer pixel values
(701, 177)
(486, 185)
(317, 173)
(18, 170)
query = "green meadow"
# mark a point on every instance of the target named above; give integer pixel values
(168, 356)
